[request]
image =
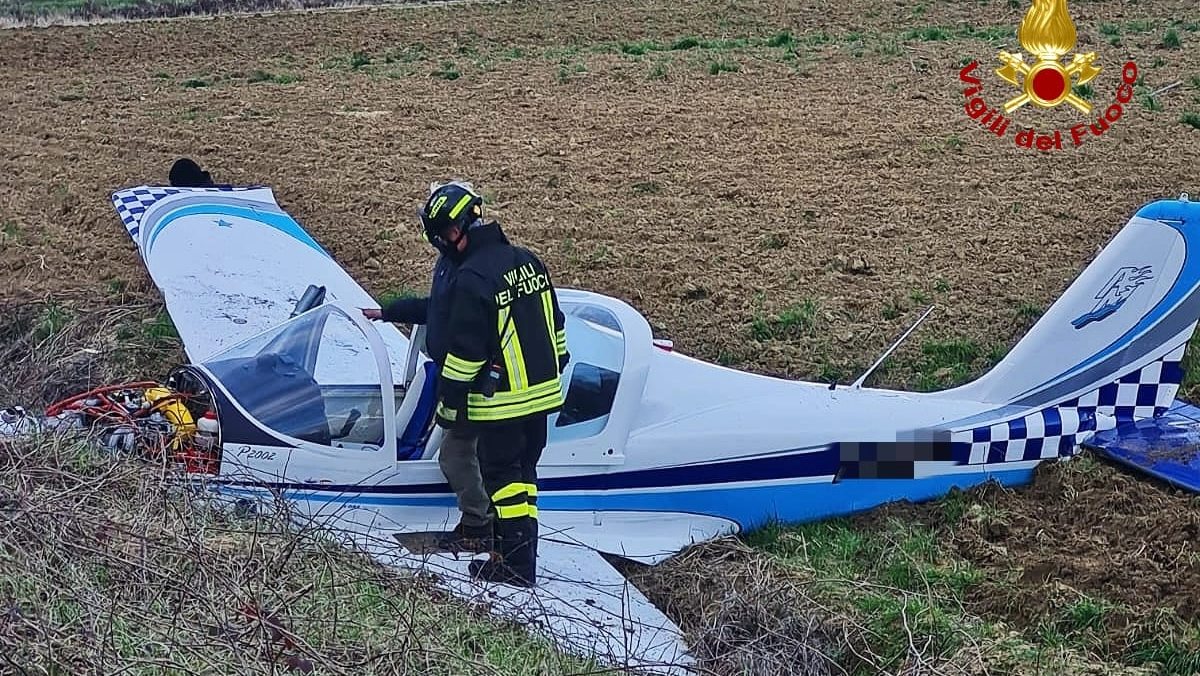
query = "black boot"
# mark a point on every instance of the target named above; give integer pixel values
(513, 561)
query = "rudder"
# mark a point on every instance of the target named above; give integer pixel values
(1114, 341)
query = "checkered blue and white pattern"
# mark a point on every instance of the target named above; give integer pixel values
(1057, 430)
(133, 202)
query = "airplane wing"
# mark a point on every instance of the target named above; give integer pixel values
(230, 263)
(581, 603)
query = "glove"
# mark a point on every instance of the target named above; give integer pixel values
(563, 360)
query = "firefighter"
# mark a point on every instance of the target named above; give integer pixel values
(456, 457)
(507, 351)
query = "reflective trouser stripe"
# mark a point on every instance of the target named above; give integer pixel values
(531, 491)
(511, 501)
(513, 511)
(509, 491)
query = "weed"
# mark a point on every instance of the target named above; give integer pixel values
(391, 295)
(1171, 657)
(796, 320)
(448, 71)
(1191, 119)
(54, 318)
(773, 241)
(782, 39)
(717, 67)
(1029, 312)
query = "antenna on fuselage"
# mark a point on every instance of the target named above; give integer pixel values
(858, 383)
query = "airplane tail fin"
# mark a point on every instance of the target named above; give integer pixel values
(1114, 341)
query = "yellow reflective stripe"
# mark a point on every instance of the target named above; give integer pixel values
(531, 489)
(512, 511)
(519, 377)
(560, 335)
(549, 388)
(462, 202)
(510, 490)
(514, 360)
(515, 410)
(459, 369)
(531, 511)
(548, 311)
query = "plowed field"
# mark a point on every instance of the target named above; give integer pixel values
(782, 186)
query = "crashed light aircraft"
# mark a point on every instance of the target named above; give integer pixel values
(653, 450)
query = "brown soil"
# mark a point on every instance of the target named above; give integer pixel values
(845, 171)
(669, 193)
(1082, 531)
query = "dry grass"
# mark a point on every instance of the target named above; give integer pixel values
(106, 569)
(742, 614)
(797, 607)
(108, 565)
(50, 350)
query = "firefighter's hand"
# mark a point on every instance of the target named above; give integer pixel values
(372, 313)
(563, 360)
(448, 418)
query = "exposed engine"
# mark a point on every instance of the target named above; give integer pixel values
(176, 422)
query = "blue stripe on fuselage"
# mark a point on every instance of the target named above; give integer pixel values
(749, 505)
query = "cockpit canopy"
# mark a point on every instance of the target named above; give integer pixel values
(318, 378)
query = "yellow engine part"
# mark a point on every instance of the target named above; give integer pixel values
(174, 411)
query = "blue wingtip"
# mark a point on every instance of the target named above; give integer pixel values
(1180, 210)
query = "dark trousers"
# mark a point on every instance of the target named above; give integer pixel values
(508, 457)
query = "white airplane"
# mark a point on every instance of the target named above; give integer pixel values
(654, 450)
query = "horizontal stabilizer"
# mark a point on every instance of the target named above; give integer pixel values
(1166, 447)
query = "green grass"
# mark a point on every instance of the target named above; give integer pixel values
(792, 322)
(895, 581)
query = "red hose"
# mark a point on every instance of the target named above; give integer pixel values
(58, 407)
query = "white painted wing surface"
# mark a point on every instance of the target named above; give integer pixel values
(581, 603)
(231, 263)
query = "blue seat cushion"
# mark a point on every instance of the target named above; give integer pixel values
(411, 443)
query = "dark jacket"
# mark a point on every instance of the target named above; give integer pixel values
(507, 332)
(432, 310)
